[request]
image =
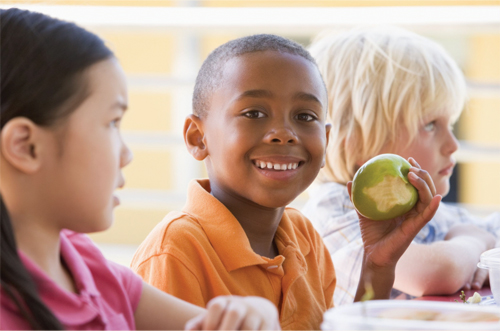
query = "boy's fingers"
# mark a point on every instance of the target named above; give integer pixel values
(414, 226)
(215, 313)
(430, 211)
(233, 316)
(424, 192)
(479, 278)
(426, 177)
(195, 323)
(253, 323)
(414, 163)
(268, 325)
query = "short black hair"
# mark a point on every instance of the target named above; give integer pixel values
(211, 72)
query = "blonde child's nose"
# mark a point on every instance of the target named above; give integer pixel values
(452, 144)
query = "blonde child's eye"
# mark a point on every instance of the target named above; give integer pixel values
(305, 117)
(254, 114)
(115, 123)
(430, 126)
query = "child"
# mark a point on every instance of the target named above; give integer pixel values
(392, 91)
(258, 122)
(63, 97)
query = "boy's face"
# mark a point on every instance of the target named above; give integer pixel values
(268, 114)
(432, 148)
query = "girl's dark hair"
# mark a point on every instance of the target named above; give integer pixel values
(42, 61)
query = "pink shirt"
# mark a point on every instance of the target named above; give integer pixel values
(108, 293)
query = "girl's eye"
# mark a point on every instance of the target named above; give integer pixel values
(305, 117)
(430, 126)
(254, 114)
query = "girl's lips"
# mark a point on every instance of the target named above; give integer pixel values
(116, 200)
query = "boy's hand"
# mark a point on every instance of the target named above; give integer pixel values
(479, 240)
(385, 241)
(237, 313)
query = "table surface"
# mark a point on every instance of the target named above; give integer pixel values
(485, 291)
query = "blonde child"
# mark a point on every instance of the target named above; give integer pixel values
(392, 91)
(63, 97)
(259, 124)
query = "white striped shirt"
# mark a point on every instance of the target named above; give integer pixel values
(332, 214)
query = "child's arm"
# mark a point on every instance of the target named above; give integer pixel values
(385, 241)
(473, 236)
(444, 267)
(158, 310)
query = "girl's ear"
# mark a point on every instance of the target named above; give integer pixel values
(194, 137)
(19, 145)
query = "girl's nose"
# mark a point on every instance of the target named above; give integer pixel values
(126, 155)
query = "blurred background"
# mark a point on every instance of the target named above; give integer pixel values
(161, 45)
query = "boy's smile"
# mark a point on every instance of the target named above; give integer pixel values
(265, 131)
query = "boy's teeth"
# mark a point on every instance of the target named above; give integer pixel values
(276, 166)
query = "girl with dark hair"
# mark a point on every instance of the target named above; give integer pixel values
(63, 95)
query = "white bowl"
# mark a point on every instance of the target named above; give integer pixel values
(368, 316)
(491, 260)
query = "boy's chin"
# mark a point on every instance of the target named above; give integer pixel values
(274, 202)
(443, 189)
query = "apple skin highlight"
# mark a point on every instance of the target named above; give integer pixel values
(381, 189)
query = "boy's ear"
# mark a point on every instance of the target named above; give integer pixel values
(194, 137)
(328, 127)
(19, 145)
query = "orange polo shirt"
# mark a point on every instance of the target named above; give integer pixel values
(203, 252)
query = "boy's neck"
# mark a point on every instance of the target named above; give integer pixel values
(259, 223)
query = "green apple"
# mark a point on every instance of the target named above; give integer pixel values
(381, 190)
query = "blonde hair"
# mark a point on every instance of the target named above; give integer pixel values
(380, 81)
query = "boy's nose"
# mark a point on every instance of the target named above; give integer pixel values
(451, 143)
(281, 135)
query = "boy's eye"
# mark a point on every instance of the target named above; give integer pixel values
(254, 114)
(305, 117)
(116, 122)
(430, 126)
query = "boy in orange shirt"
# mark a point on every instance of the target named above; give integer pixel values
(258, 122)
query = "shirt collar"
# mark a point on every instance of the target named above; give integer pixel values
(222, 229)
(72, 310)
(225, 233)
(291, 236)
(79, 271)
(82, 275)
